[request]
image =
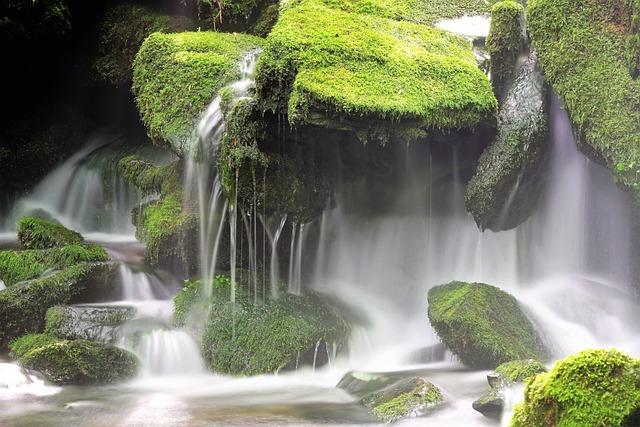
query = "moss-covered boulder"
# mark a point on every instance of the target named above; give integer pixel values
(249, 339)
(39, 233)
(409, 397)
(74, 361)
(17, 266)
(482, 325)
(491, 403)
(584, 51)
(23, 305)
(504, 42)
(94, 323)
(379, 77)
(175, 77)
(122, 30)
(593, 387)
(509, 178)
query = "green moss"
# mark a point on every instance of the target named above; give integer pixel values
(408, 397)
(191, 295)
(16, 266)
(176, 76)
(346, 70)
(582, 49)
(146, 176)
(122, 31)
(248, 339)
(594, 387)
(482, 325)
(38, 233)
(507, 183)
(74, 361)
(23, 306)
(504, 42)
(520, 370)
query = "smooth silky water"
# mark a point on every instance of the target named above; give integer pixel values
(567, 264)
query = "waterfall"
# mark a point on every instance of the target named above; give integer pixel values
(139, 285)
(166, 352)
(274, 266)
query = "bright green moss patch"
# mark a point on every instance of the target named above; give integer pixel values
(16, 266)
(504, 41)
(482, 325)
(74, 361)
(582, 48)
(348, 71)
(122, 31)
(38, 233)
(591, 388)
(519, 370)
(409, 397)
(176, 76)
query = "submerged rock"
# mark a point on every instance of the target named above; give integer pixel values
(593, 387)
(39, 233)
(409, 397)
(74, 361)
(507, 183)
(388, 77)
(482, 325)
(491, 403)
(94, 323)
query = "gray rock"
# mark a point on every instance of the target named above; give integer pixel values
(95, 323)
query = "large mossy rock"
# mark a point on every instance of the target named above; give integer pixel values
(504, 42)
(482, 325)
(587, 53)
(121, 33)
(380, 77)
(590, 388)
(406, 398)
(94, 323)
(509, 178)
(175, 77)
(39, 233)
(23, 306)
(248, 339)
(74, 361)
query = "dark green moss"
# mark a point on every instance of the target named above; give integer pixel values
(146, 176)
(177, 75)
(504, 42)
(582, 49)
(16, 266)
(23, 306)
(591, 388)
(409, 397)
(509, 177)
(38, 233)
(74, 361)
(345, 70)
(122, 31)
(517, 371)
(266, 20)
(482, 325)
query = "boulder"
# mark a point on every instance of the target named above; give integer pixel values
(38, 233)
(360, 383)
(74, 361)
(509, 177)
(94, 323)
(593, 387)
(482, 325)
(585, 54)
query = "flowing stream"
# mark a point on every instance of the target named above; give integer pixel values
(567, 264)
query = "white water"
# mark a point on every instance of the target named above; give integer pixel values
(16, 382)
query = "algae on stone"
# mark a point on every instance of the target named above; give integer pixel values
(409, 397)
(482, 325)
(593, 387)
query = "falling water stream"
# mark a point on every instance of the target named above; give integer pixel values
(567, 264)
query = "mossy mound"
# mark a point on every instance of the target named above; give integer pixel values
(593, 387)
(94, 323)
(74, 361)
(410, 397)
(482, 325)
(584, 51)
(504, 42)
(517, 371)
(17, 266)
(282, 333)
(122, 31)
(509, 177)
(23, 306)
(373, 75)
(39, 233)
(175, 76)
